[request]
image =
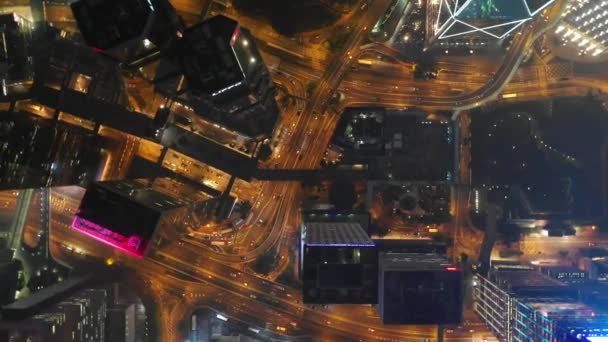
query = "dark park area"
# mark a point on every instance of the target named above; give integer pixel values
(552, 151)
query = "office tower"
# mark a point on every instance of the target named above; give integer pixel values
(127, 29)
(419, 288)
(528, 306)
(339, 264)
(66, 311)
(37, 152)
(15, 49)
(222, 65)
(127, 214)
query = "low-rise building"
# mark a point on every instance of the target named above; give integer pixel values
(410, 145)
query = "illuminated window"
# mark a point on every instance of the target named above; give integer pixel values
(80, 82)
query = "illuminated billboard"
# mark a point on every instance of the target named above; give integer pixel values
(117, 214)
(134, 244)
(495, 18)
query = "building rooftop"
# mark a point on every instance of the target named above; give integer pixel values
(585, 22)
(142, 193)
(106, 24)
(417, 245)
(559, 268)
(524, 278)
(208, 57)
(415, 262)
(314, 215)
(408, 145)
(336, 234)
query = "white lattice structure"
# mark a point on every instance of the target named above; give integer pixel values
(493, 18)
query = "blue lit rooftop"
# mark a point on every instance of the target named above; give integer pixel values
(337, 234)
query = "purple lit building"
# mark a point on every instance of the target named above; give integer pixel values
(127, 214)
(339, 264)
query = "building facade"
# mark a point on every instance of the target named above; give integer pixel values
(80, 317)
(521, 315)
(127, 214)
(224, 69)
(16, 62)
(419, 288)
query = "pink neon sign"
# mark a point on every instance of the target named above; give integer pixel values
(235, 35)
(133, 245)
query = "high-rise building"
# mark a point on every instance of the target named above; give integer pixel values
(65, 68)
(126, 316)
(339, 264)
(227, 81)
(528, 306)
(127, 29)
(419, 288)
(11, 273)
(62, 312)
(15, 49)
(126, 214)
(121, 323)
(584, 26)
(36, 152)
(222, 65)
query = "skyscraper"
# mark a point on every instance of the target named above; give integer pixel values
(15, 49)
(126, 214)
(126, 29)
(222, 64)
(419, 288)
(48, 315)
(339, 264)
